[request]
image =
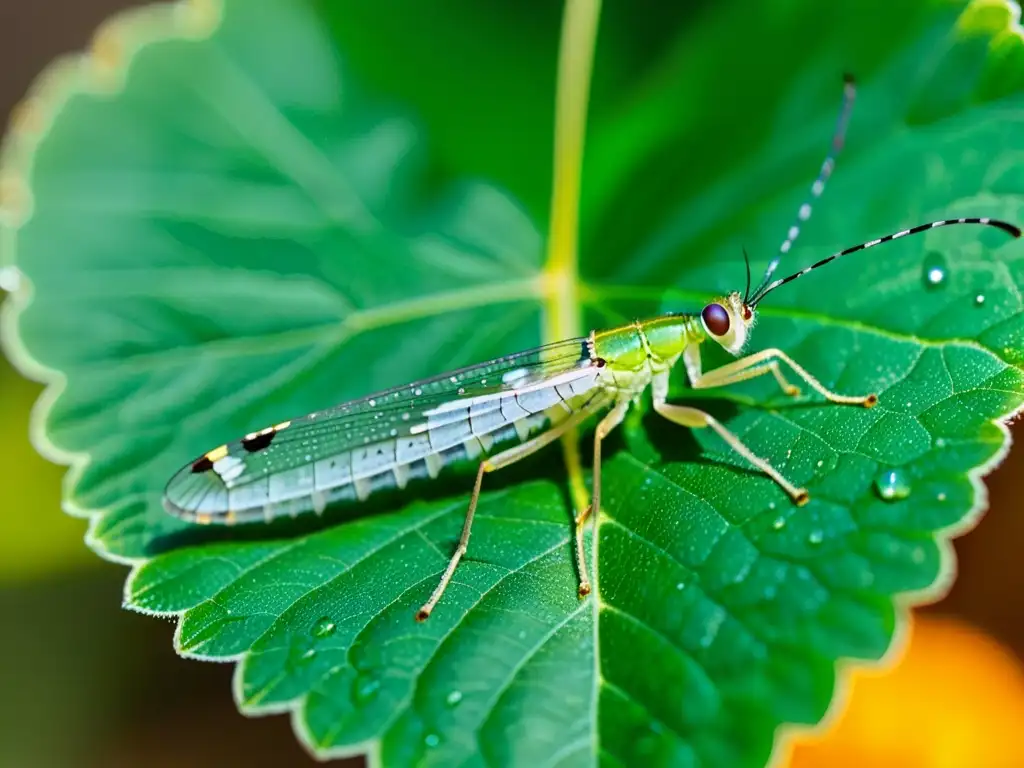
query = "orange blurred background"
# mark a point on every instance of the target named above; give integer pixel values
(89, 684)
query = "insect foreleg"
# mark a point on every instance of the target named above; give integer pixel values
(767, 361)
(697, 419)
(496, 462)
(613, 418)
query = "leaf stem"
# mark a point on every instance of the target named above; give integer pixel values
(561, 269)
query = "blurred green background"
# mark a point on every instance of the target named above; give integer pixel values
(89, 684)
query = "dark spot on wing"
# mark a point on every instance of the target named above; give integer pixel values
(202, 464)
(258, 441)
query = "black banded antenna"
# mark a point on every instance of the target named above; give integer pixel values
(827, 165)
(764, 290)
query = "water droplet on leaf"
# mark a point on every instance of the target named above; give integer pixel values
(453, 698)
(979, 300)
(779, 523)
(816, 536)
(934, 270)
(432, 740)
(324, 627)
(892, 485)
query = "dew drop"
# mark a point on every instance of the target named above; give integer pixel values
(324, 627)
(779, 523)
(934, 270)
(941, 497)
(432, 740)
(309, 654)
(940, 442)
(417, 392)
(680, 586)
(453, 698)
(815, 537)
(820, 463)
(892, 485)
(462, 390)
(979, 300)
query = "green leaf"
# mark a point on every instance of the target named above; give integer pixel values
(216, 238)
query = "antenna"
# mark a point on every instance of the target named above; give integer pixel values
(804, 212)
(746, 261)
(764, 290)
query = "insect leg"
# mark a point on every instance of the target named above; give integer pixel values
(761, 363)
(758, 370)
(604, 428)
(496, 462)
(697, 419)
(695, 376)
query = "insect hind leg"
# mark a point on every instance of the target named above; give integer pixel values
(424, 612)
(494, 463)
(695, 418)
(604, 428)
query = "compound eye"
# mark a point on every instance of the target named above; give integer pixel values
(716, 319)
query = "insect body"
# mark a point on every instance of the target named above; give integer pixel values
(499, 412)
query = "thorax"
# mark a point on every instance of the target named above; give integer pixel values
(633, 354)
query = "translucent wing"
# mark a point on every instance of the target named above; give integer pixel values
(384, 439)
